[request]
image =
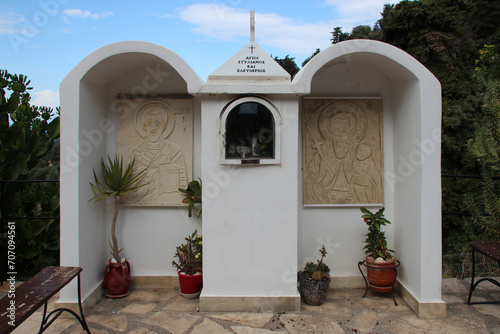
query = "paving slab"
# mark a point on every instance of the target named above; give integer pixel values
(488, 309)
(250, 330)
(136, 308)
(209, 326)
(164, 311)
(117, 323)
(181, 304)
(298, 324)
(244, 318)
(174, 322)
(366, 320)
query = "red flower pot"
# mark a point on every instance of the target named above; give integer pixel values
(190, 284)
(381, 276)
(117, 279)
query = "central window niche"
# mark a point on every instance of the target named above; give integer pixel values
(250, 129)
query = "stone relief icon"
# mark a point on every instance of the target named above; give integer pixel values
(160, 139)
(342, 152)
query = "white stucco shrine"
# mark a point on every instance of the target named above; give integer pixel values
(285, 164)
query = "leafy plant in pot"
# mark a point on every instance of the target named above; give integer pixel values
(314, 280)
(380, 263)
(192, 196)
(117, 181)
(189, 265)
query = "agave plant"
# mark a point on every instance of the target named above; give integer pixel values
(117, 181)
(193, 196)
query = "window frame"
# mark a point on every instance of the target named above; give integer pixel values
(277, 132)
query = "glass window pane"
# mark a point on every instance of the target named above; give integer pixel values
(250, 132)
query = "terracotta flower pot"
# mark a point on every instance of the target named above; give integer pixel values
(190, 284)
(381, 275)
(117, 279)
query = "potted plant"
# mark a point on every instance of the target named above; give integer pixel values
(189, 265)
(193, 196)
(116, 182)
(380, 263)
(314, 281)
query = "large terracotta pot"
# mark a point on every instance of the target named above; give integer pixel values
(190, 284)
(381, 275)
(117, 279)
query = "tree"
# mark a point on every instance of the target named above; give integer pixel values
(485, 146)
(288, 64)
(310, 57)
(484, 17)
(339, 36)
(438, 34)
(366, 32)
(115, 182)
(27, 133)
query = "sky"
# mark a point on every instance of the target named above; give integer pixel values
(46, 39)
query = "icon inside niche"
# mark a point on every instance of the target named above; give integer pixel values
(250, 132)
(158, 133)
(343, 152)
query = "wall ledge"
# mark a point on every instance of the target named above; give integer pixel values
(424, 310)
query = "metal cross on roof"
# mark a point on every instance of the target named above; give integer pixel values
(252, 26)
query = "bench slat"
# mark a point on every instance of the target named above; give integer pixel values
(488, 248)
(34, 293)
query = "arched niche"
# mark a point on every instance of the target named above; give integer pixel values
(411, 97)
(88, 97)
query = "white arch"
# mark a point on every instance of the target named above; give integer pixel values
(85, 101)
(193, 80)
(391, 57)
(413, 95)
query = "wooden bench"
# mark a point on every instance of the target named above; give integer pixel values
(490, 249)
(36, 292)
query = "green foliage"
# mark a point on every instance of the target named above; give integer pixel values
(376, 243)
(485, 146)
(310, 57)
(484, 17)
(190, 255)
(288, 64)
(193, 196)
(319, 270)
(116, 181)
(27, 134)
(47, 167)
(445, 36)
(37, 239)
(339, 36)
(358, 32)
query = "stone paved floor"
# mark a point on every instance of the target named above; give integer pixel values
(345, 311)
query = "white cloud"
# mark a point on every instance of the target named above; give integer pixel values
(224, 22)
(163, 16)
(356, 12)
(80, 13)
(12, 23)
(46, 98)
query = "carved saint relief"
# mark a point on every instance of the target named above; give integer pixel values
(158, 133)
(342, 152)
